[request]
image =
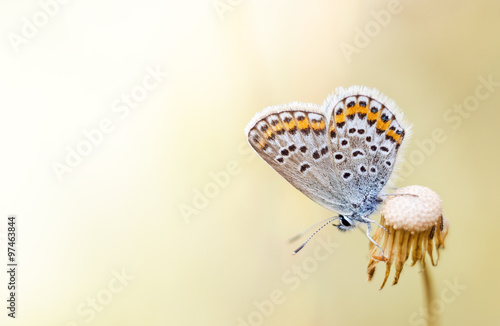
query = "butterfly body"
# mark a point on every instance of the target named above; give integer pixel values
(340, 154)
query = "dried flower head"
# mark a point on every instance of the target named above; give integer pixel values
(413, 219)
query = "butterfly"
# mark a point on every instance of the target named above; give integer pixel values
(340, 154)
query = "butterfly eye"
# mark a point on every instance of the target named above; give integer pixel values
(343, 221)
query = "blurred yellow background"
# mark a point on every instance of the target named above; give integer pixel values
(139, 201)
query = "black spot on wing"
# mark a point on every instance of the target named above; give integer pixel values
(304, 167)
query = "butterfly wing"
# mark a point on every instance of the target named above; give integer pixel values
(293, 140)
(365, 136)
(340, 155)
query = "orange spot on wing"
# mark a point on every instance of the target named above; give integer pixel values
(304, 124)
(352, 110)
(381, 125)
(339, 118)
(318, 125)
(355, 109)
(279, 126)
(362, 109)
(268, 133)
(393, 135)
(290, 125)
(262, 143)
(373, 116)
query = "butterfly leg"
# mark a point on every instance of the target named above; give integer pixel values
(373, 221)
(368, 229)
(393, 195)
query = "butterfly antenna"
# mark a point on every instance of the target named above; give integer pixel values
(312, 235)
(301, 233)
(368, 231)
(393, 195)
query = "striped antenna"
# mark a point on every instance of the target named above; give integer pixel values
(301, 233)
(331, 219)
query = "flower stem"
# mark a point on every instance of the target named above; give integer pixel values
(432, 319)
